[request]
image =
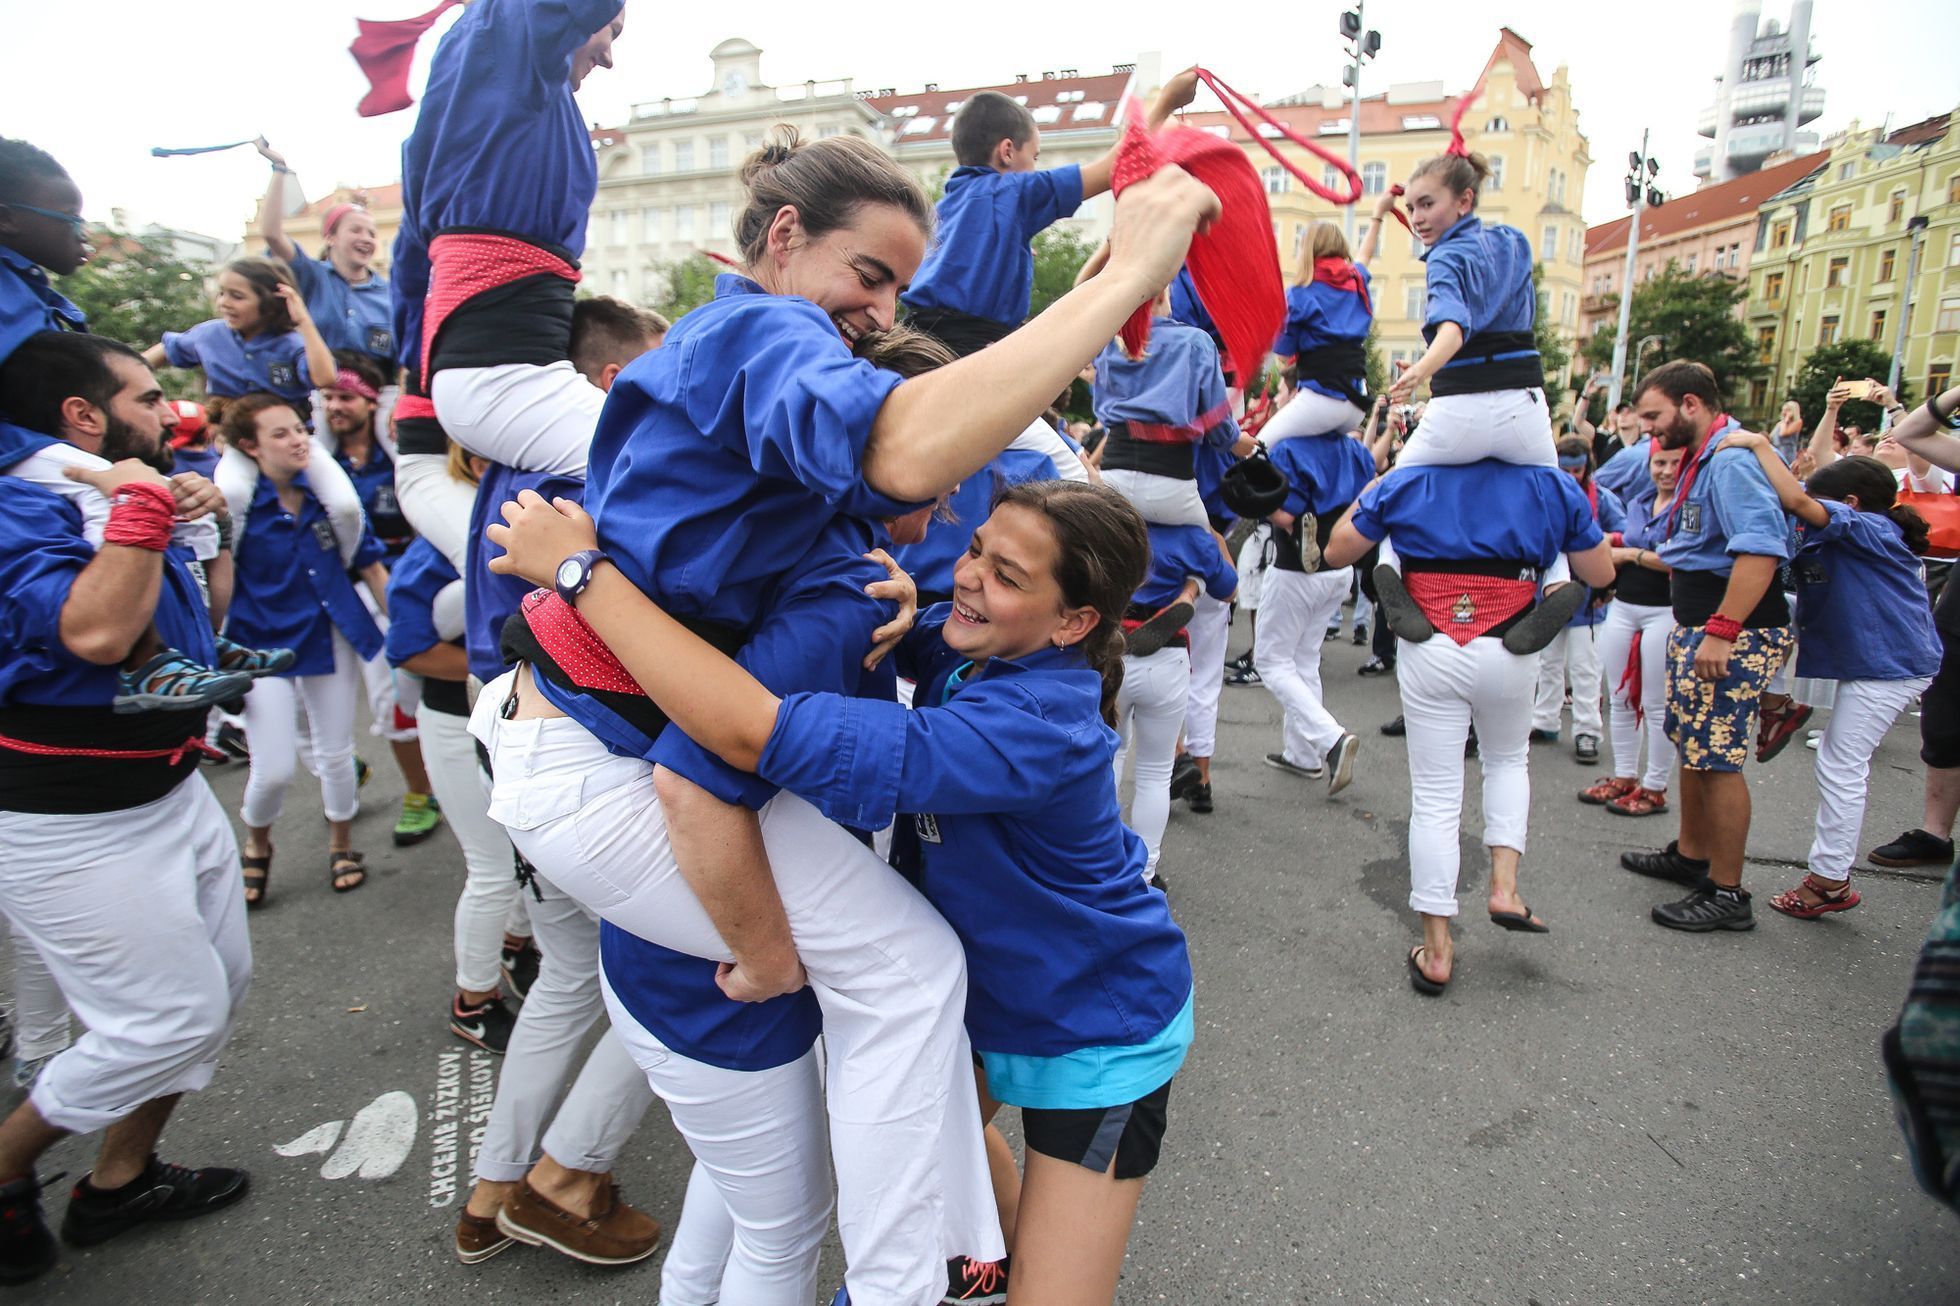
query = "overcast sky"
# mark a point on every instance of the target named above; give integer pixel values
(98, 95)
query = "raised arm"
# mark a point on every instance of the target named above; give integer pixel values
(1170, 97)
(272, 212)
(1922, 431)
(1823, 447)
(1371, 244)
(1789, 490)
(319, 358)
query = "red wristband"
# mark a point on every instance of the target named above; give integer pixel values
(1617, 540)
(141, 516)
(1722, 627)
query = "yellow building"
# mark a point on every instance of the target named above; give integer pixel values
(384, 205)
(1833, 251)
(1524, 124)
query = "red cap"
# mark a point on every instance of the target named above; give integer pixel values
(191, 422)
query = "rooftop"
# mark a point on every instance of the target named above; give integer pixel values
(1060, 101)
(1724, 202)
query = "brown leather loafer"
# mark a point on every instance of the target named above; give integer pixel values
(478, 1238)
(614, 1234)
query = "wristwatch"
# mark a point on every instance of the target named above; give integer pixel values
(575, 573)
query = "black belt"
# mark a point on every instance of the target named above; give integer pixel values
(1477, 370)
(1341, 367)
(1124, 453)
(1697, 596)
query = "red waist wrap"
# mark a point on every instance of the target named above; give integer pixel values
(1189, 433)
(569, 640)
(1466, 606)
(465, 264)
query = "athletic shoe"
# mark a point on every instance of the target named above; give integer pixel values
(1393, 605)
(478, 1238)
(1375, 667)
(1395, 729)
(1710, 907)
(1279, 763)
(161, 1192)
(1340, 764)
(1199, 799)
(232, 740)
(975, 1283)
(1586, 749)
(1361, 637)
(1914, 848)
(1184, 775)
(1249, 676)
(614, 1234)
(170, 681)
(520, 968)
(362, 771)
(27, 1249)
(1536, 630)
(1243, 662)
(1667, 864)
(421, 817)
(1333, 632)
(488, 1024)
(254, 662)
(1543, 736)
(1157, 882)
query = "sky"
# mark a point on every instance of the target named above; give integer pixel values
(221, 70)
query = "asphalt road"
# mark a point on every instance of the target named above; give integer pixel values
(1611, 1113)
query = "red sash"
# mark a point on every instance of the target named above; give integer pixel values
(570, 642)
(463, 265)
(1464, 607)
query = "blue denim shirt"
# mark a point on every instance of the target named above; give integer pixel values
(1731, 509)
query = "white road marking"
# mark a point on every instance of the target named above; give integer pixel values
(317, 1139)
(379, 1140)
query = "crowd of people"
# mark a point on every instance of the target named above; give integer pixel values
(780, 670)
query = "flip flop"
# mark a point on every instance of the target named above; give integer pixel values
(1423, 984)
(1520, 921)
(1158, 630)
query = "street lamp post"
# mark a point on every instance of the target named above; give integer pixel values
(1917, 226)
(1362, 45)
(1642, 194)
(1640, 350)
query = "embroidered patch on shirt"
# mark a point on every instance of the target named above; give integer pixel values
(380, 341)
(1464, 610)
(323, 532)
(1691, 518)
(927, 827)
(282, 376)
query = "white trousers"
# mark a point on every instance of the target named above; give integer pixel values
(610, 1095)
(1149, 713)
(1293, 619)
(1863, 712)
(1573, 657)
(1446, 687)
(1165, 500)
(912, 1180)
(484, 911)
(1309, 413)
(272, 711)
(1210, 627)
(1251, 566)
(436, 504)
(536, 417)
(140, 915)
(1511, 426)
(758, 1203)
(237, 478)
(41, 1017)
(1652, 623)
(386, 688)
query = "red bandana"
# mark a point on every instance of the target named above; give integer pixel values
(1340, 274)
(385, 50)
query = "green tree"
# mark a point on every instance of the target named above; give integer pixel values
(1059, 254)
(134, 290)
(1851, 360)
(1552, 348)
(1695, 318)
(689, 283)
(1376, 366)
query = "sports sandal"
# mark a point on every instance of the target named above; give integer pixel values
(1641, 802)
(170, 681)
(1157, 632)
(1407, 620)
(254, 662)
(261, 883)
(341, 864)
(1605, 791)
(1539, 626)
(1779, 726)
(1834, 896)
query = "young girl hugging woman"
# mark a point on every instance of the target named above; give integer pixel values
(291, 590)
(1080, 999)
(1862, 620)
(1633, 648)
(264, 341)
(1328, 313)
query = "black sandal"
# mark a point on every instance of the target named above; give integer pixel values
(260, 883)
(1421, 981)
(346, 863)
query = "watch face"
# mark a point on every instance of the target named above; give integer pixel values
(568, 573)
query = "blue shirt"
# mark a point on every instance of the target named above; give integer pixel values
(498, 142)
(1176, 383)
(1861, 600)
(674, 997)
(234, 365)
(289, 587)
(1211, 464)
(1319, 314)
(413, 583)
(1324, 473)
(1024, 849)
(721, 456)
(931, 560)
(359, 318)
(1187, 308)
(1626, 471)
(1446, 513)
(374, 481)
(1731, 509)
(1611, 515)
(1646, 518)
(489, 599)
(42, 551)
(29, 304)
(1177, 552)
(202, 461)
(980, 263)
(1480, 278)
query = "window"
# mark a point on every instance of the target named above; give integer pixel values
(1089, 111)
(1953, 250)
(618, 227)
(1840, 219)
(1953, 189)
(718, 152)
(619, 281)
(751, 141)
(1334, 127)
(1693, 259)
(1497, 125)
(650, 226)
(650, 159)
(1413, 296)
(1549, 250)
(1766, 343)
(1773, 287)
(829, 130)
(1877, 331)
(1047, 115)
(1299, 238)
(1779, 235)
(721, 219)
(1418, 122)
(1949, 316)
(683, 156)
(1496, 161)
(1568, 308)
(1887, 259)
(1574, 246)
(1827, 330)
(917, 127)
(1330, 177)
(1374, 178)
(1897, 208)
(1269, 131)
(1939, 377)
(1834, 274)
(684, 219)
(1846, 171)
(1759, 395)
(1416, 246)
(1275, 178)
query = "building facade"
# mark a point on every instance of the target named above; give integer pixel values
(1764, 95)
(1524, 124)
(383, 203)
(1833, 252)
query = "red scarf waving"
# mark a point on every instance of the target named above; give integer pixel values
(385, 50)
(1340, 274)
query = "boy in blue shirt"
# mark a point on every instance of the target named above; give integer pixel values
(40, 228)
(978, 279)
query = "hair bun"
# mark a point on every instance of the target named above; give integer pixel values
(778, 148)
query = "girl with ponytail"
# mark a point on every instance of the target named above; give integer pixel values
(1079, 998)
(1862, 620)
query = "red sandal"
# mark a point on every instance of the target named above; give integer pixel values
(1835, 897)
(1779, 726)
(1605, 791)
(1641, 802)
